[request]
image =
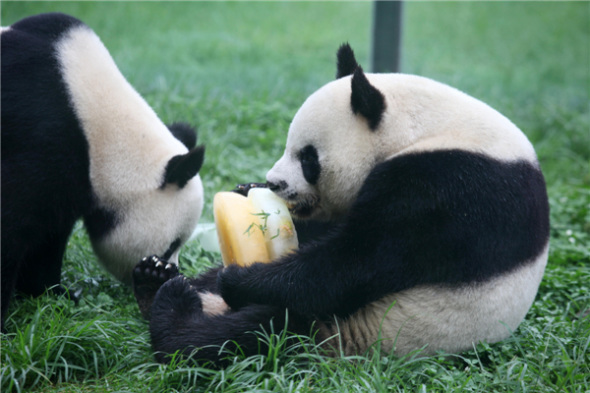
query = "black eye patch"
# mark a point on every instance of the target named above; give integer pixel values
(310, 164)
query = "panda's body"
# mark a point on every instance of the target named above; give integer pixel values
(440, 227)
(79, 142)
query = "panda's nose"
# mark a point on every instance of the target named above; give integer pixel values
(275, 187)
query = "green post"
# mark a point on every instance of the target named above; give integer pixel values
(387, 31)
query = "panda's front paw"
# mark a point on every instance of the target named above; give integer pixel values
(148, 276)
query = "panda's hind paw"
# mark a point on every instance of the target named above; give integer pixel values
(148, 276)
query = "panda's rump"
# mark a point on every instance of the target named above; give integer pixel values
(44, 152)
(438, 317)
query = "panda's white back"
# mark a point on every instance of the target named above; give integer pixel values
(435, 116)
(126, 138)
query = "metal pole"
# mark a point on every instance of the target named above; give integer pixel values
(387, 31)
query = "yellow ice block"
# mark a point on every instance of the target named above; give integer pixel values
(257, 228)
(239, 242)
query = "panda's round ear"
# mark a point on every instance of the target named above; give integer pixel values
(345, 61)
(366, 99)
(180, 169)
(185, 133)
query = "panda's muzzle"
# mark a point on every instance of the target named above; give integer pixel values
(299, 206)
(277, 187)
(300, 210)
(303, 207)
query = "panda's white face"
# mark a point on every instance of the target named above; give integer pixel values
(328, 155)
(158, 223)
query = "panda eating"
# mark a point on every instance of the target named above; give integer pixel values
(79, 142)
(439, 241)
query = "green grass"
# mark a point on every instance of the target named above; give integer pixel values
(240, 71)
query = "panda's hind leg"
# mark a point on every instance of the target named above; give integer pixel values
(182, 321)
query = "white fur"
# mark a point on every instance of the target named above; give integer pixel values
(451, 320)
(129, 148)
(213, 304)
(421, 115)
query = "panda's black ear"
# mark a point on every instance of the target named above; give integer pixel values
(185, 133)
(345, 60)
(180, 169)
(366, 99)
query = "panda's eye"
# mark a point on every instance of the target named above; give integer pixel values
(310, 165)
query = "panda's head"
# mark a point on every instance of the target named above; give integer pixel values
(158, 220)
(332, 144)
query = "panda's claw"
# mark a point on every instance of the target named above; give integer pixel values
(148, 276)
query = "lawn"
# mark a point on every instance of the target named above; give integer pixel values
(239, 71)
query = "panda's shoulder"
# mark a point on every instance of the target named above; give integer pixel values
(33, 42)
(449, 170)
(461, 200)
(48, 26)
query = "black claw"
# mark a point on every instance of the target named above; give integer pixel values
(148, 276)
(244, 188)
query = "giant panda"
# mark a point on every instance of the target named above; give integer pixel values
(79, 142)
(439, 239)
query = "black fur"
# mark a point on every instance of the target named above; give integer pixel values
(185, 133)
(447, 217)
(100, 221)
(345, 60)
(310, 164)
(174, 246)
(182, 168)
(366, 99)
(45, 163)
(45, 183)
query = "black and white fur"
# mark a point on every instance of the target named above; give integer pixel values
(79, 142)
(440, 235)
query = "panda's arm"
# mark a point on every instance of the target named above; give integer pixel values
(323, 279)
(356, 264)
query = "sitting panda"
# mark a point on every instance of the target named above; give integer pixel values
(439, 240)
(79, 142)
